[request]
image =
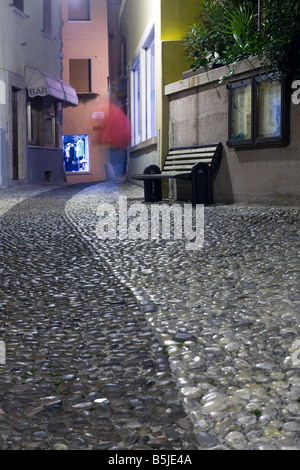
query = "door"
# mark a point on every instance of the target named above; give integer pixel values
(15, 135)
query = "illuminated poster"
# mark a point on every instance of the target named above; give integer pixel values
(76, 152)
(269, 109)
(241, 113)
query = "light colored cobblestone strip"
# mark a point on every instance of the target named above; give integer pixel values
(11, 196)
(84, 369)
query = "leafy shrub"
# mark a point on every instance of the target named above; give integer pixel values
(282, 36)
(232, 30)
(227, 33)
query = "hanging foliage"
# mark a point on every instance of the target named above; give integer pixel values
(232, 30)
(281, 46)
(227, 33)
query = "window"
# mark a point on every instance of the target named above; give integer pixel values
(19, 4)
(241, 111)
(33, 122)
(269, 104)
(79, 10)
(50, 125)
(76, 153)
(257, 112)
(80, 75)
(48, 17)
(143, 92)
(136, 103)
(150, 86)
(42, 122)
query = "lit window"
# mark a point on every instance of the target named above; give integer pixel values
(241, 111)
(76, 153)
(48, 17)
(79, 10)
(269, 103)
(150, 86)
(136, 103)
(257, 112)
(80, 75)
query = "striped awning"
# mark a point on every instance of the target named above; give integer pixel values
(42, 84)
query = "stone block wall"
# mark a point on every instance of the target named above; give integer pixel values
(198, 114)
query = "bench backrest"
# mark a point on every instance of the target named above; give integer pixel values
(182, 159)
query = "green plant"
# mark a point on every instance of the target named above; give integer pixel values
(240, 31)
(281, 30)
(228, 33)
(257, 413)
(231, 30)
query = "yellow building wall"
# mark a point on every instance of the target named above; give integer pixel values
(135, 16)
(171, 19)
(176, 15)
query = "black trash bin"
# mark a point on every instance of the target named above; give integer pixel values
(201, 184)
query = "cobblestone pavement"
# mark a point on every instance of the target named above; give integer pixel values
(84, 369)
(143, 344)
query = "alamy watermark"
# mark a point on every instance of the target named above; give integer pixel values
(2, 353)
(296, 93)
(154, 222)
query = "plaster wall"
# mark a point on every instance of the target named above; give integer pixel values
(176, 17)
(23, 42)
(134, 18)
(88, 40)
(142, 156)
(49, 168)
(199, 114)
(171, 19)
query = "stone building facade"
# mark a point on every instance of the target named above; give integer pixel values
(32, 93)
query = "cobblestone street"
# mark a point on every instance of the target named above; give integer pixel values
(141, 344)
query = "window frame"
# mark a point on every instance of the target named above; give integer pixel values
(255, 140)
(47, 18)
(283, 125)
(150, 103)
(233, 86)
(89, 72)
(42, 122)
(19, 9)
(82, 19)
(83, 165)
(136, 101)
(18, 4)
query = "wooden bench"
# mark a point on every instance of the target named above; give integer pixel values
(193, 167)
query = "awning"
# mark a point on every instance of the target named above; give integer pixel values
(42, 84)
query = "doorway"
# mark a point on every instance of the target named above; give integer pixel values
(15, 134)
